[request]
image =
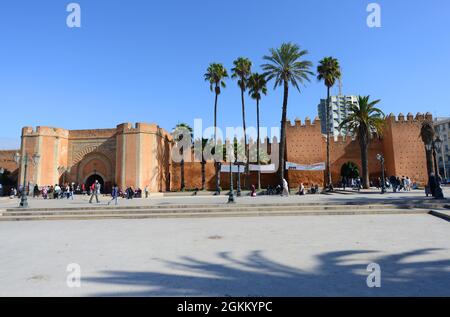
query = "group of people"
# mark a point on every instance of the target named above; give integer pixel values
(398, 184)
(354, 183)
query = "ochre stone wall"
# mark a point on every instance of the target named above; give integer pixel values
(400, 144)
(140, 155)
(305, 144)
(403, 147)
(8, 164)
(136, 156)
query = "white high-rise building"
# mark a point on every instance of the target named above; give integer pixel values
(339, 110)
(442, 128)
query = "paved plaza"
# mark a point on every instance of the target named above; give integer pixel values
(266, 256)
(348, 196)
(242, 256)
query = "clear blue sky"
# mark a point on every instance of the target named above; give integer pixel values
(144, 60)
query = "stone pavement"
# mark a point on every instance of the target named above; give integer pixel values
(368, 196)
(266, 256)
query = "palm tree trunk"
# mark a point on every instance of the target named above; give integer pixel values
(363, 143)
(429, 157)
(245, 136)
(203, 173)
(281, 152)
(257, 144)
(182, 173)
(216, 164)
(327, 122)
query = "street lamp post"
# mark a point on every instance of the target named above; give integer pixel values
(239, 164)
(443, 160)
(25, 159)
(231, 199)
(380, 158)
(436, 145)
(2, 170)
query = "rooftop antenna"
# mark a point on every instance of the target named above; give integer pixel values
(340, 85)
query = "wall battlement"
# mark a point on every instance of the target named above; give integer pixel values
(44, 131)
(401, 118)
(140, 127)
(298, 123)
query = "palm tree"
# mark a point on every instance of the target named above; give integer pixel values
(180, 130)
(257, 86)
(241, 71)
(427, 134)
(328, 71)
(364, 120)
(215, 75)
(286, 66)
(204, 143)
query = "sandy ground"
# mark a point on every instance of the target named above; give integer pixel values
(266, 256)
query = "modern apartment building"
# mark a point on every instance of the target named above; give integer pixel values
(442, 127)
(339, 110)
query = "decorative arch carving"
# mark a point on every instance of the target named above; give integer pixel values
(104, 159)
(89, 149)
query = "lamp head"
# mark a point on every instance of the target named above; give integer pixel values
(438, 143)
(17, 157)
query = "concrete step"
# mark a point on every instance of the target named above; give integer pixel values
(228, 213)
(196, 209)
(350, 205)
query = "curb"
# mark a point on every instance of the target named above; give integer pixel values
(439, 214)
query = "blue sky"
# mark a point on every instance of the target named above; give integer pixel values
(144, 60)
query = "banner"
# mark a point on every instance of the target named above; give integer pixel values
(234, 168)
(270, 168)
(298, 167)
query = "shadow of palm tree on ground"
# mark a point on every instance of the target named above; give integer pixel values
(255, 275)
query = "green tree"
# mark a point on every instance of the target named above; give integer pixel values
(286, 66)
(257, 85)
(349, 170)
(181, 130)
(241, 71)
(363, 121)
(329, 71)
(215, 75)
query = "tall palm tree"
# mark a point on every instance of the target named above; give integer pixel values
(329, 71)
(215, 75)
(180, 130)
(257, 85)
(241, 71)
(364, 120)
(286, 66)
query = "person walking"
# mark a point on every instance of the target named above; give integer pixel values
(71, 190)
(35, 191)
(146, 191)
(285, 188)
(114, 194)
(56, 192)
(95, 192)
